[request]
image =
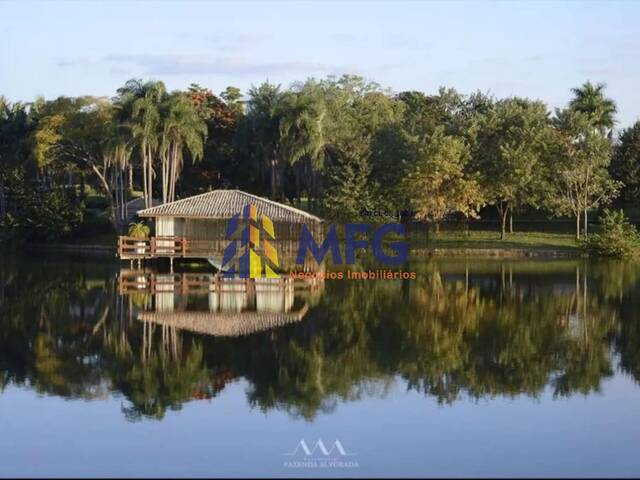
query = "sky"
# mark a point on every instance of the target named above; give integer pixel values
(536, 49)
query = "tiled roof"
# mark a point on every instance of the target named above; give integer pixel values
(224, 204)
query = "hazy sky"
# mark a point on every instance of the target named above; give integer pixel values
(537, 49)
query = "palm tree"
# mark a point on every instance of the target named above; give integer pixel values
(590, 99)
(117, 151)
(138, 104)
(182, 128)
(262, 126)
(301, 132)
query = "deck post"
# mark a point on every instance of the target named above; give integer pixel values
(170, 264)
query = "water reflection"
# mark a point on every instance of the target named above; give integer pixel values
(209, 304)
(477, 329)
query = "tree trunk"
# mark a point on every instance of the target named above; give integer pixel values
(510, 221)
(150, 177)
(145, 188)
(297, 172)
(503, 211)
(165, 177)
(107, 190)
(578, 226)
(586, 222)
(273, 179)
(3, 208)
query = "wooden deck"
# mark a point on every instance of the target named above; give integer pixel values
(130, 248)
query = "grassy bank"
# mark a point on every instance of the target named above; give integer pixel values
(491, 240)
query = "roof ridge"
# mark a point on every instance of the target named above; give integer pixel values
(157, 209)
(278, 204)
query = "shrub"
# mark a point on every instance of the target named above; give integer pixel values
(139, 230)
(36, 214)
(618, 237)
(53, 215)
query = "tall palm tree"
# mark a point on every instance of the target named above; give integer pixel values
(301, 132)
(182, 129)
(117, 150)
(590, 99)
(146, 127)
(262, 128)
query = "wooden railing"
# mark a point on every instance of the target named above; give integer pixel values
(154, 247)
(198, 283)
(130, 248)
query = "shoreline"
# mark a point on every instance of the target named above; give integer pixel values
(479, 252)
(71, 248)
(496, 252)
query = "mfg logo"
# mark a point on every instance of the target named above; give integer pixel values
(353, 233)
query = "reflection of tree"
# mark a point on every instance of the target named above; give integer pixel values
(451, 338)
(482, 329)
(45, 338)
(159, 382)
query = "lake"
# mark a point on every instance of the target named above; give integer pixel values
(475, 367)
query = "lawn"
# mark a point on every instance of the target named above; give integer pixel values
(491, 240)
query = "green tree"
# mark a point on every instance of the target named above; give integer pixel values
(625, 164)
(509, 144)
(590, 99)
(349, 191)
(437, 184)
(302, 132)
(356, 112)
(423, 114)
(117, 153)
(618, 238)
(260, 131)
(15, 128)
(581, 178)
(220, 164)
(77, 132)
(232, 97)
(182, 128)
(146, 120)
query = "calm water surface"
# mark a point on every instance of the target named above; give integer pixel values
(477, 367)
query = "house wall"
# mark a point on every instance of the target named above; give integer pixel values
(170, 226)
(203, 230)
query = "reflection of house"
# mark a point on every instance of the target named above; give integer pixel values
(195, 227)
(224, 323)
(213, 305)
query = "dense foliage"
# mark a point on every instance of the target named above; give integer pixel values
(340, 145)
(618, 238)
